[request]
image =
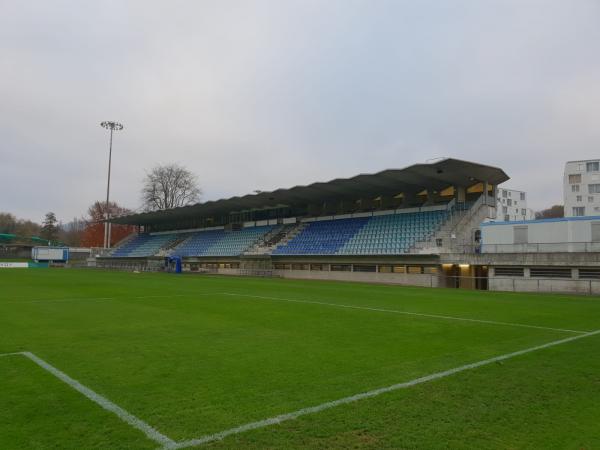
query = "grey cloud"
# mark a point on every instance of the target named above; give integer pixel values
(266, 94)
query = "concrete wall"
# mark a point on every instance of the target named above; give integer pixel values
(425, 280)
(367, 277)
(544, 285)
(540, 259)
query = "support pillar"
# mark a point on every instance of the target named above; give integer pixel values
(460, 194)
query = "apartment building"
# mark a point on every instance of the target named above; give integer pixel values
(511, 205)
(581, 188)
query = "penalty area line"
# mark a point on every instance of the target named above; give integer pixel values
(125, 416)
(407, 313)
(374, 393)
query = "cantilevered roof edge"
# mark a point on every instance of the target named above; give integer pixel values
(435, 176)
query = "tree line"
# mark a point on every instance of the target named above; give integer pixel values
(164, 187)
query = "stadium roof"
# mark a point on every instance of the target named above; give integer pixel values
(435, 176)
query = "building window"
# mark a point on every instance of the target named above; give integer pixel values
(589, 274)
(509, 194)
(504, 194)
(509, 202)
(365, 268)
(575, 188)
(399, 269)
(504, 210)
(523, 212)
(550, 272)
(506, 218)
(593, 188)
(592, 166)
(522, 195)
(574, 179)
(579, 198)
(591, 199)
(508, 271)
(579, 210)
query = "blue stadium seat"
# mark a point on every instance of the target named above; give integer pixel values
(322, 237)
(221, 242)
(144, 245)
(378, 235)
(390, 234)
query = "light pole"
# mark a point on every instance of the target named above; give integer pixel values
(112, 126)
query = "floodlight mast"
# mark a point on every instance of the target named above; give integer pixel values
(112, 126)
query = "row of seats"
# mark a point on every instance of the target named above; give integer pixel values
(388, 234)
(394, 234)
(231, 243)
(376, 235)
(144, 245)
(323, 237)
(198, 243)
(201, 243)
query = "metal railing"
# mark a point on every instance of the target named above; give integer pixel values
(542, 247)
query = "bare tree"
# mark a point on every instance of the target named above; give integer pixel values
(70, 233)
(8, 223)
(169, 186)
(97, 211)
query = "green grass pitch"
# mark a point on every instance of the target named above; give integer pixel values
(196, 355)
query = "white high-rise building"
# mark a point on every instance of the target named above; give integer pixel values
(581, 188)
(511, 205)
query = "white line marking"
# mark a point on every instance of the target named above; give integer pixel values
(342, 401)
(74, 299)
(434, 316)
(11, 354)
(126, 417)
(366, 308)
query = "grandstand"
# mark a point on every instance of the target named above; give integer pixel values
(421, 225)
(391, 226)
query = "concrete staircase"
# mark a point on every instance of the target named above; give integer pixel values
(278, 236)
(456, 234)
(168, 249)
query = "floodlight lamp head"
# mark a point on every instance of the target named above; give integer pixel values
(109, 125)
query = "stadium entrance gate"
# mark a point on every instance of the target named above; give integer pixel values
(465, 276)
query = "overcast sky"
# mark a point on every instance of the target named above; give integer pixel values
(267, 94)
